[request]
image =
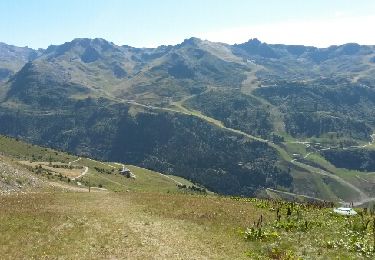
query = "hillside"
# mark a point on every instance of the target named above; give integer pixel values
(151, 217)
(13, 58)
(15, 179)
(238, 119)
(27, 167)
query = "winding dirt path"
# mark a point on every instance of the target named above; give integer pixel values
(70, 163)
(85, 171)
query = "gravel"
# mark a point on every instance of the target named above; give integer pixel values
(16, 179)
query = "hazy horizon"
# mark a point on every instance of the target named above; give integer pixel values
(124, 44)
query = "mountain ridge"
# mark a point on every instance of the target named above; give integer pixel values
(186, 40)
(172, 108)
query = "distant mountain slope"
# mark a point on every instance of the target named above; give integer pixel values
(170, 108)
(151, 75)
(297, 62)
(13, 58)
(166, 142)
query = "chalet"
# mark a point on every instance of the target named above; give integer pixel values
(127, 173)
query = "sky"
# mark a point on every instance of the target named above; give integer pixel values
(150, 23)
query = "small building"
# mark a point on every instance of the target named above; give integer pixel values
(127, 173)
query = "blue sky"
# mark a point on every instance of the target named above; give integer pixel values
(140, 23)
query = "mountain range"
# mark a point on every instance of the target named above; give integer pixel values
(238, 119)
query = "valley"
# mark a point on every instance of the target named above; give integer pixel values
(187, 130)
(234, 118)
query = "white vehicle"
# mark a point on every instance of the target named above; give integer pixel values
(345, 211)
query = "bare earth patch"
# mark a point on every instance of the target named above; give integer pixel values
(67, 172)
(15, 179)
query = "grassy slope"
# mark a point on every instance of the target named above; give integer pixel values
(146, 180)
(25, 151)
(101, 224)
(320, 185)
(154, 219)
(331, 186)
(109, 225)
(147, 225)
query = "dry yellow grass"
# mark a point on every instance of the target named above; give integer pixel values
(118, 226)
(154, 225)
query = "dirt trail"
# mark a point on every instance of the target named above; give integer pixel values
(170, 178)
(70, 163)
(85, 171)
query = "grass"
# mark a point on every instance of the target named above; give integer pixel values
(24, 151)
(108, 225)
(311, 232)
(331, 188)
(328, 188)
(295, 148)
(144, 225)
(31, 155)
(179, 107)
(107, 176)
(146, 180)
(150, 217)
(312, 185)
(70, 173)
(359, 179)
